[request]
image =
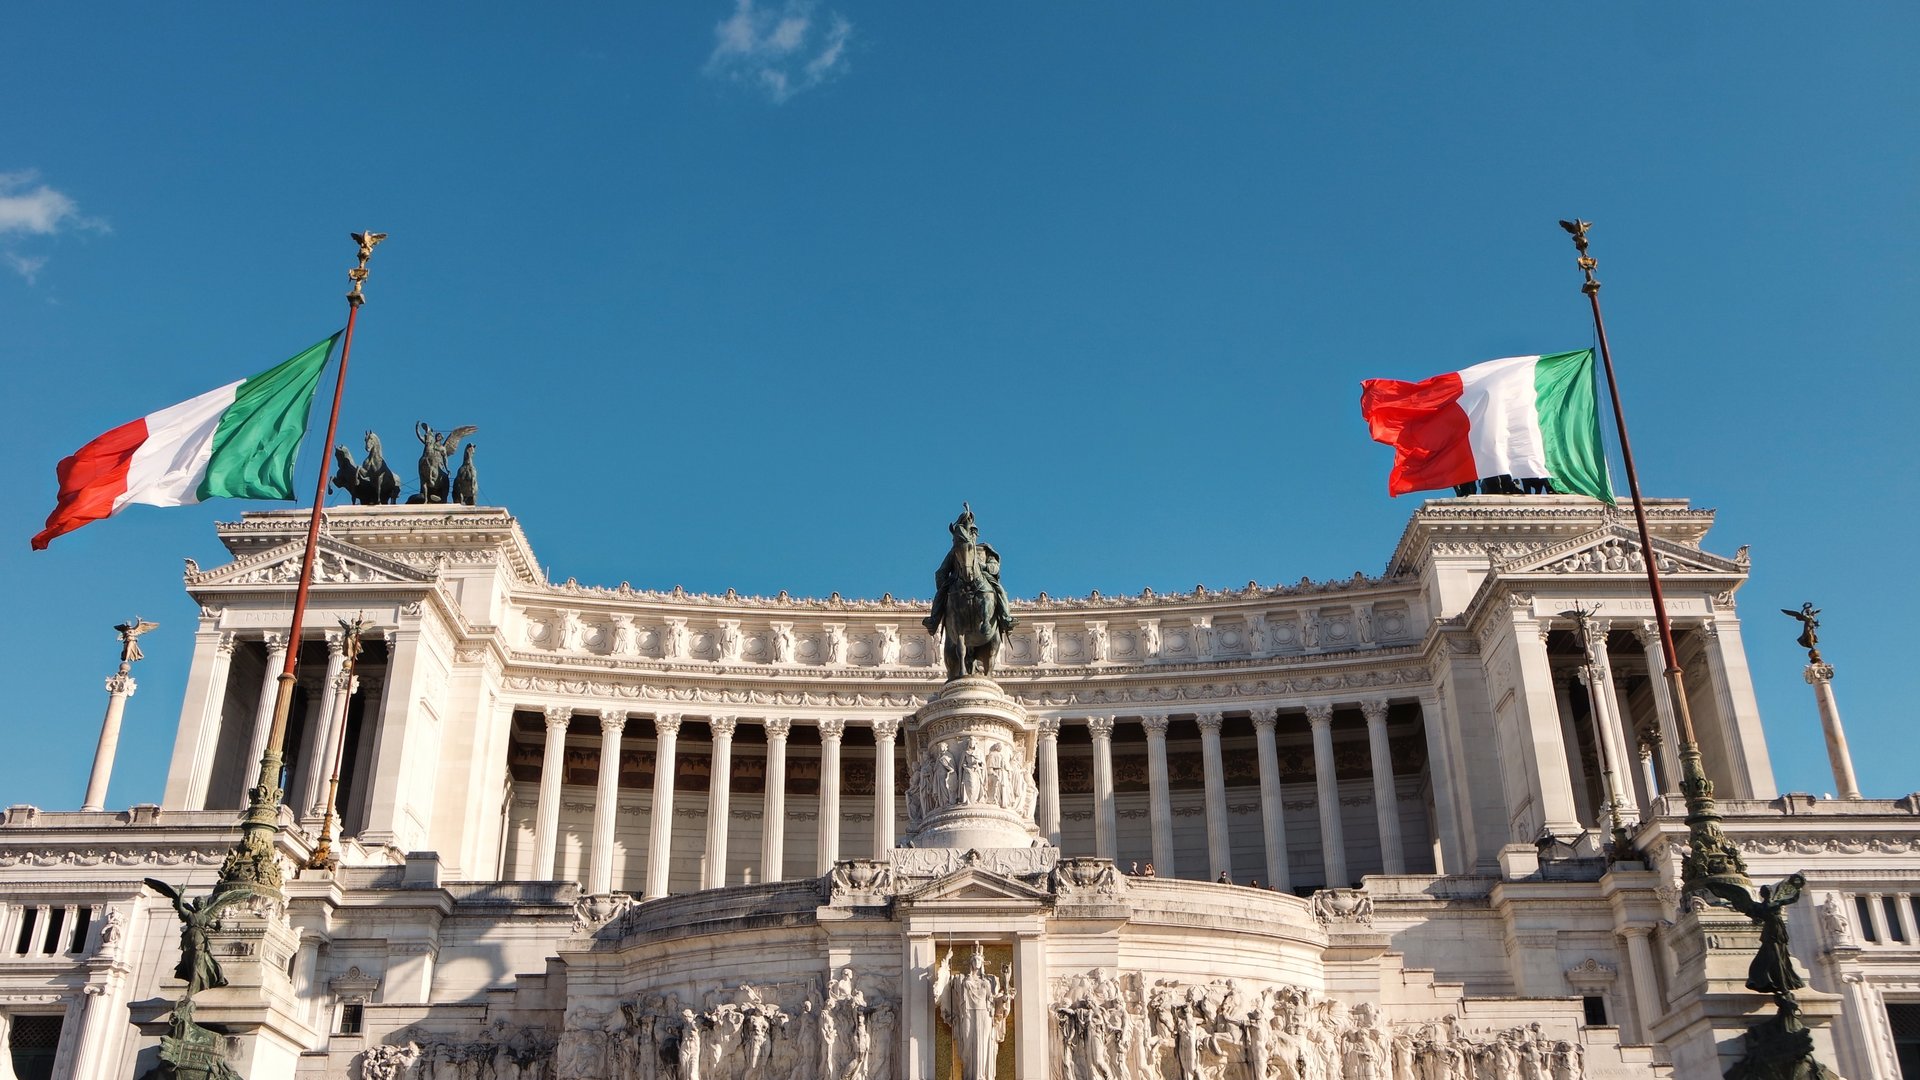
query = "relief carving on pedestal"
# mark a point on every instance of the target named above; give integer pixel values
(1116, 1026)
(970, 770)
(843, 1029)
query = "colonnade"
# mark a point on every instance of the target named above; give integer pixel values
(1217, 855)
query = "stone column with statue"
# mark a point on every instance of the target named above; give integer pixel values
(1819, 675)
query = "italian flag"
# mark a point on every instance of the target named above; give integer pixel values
(1524, 416)
(236, 442)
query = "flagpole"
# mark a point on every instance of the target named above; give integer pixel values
(252, 864)
(1711, 856)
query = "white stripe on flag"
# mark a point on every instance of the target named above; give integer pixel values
(1501, 405)
(167, 469)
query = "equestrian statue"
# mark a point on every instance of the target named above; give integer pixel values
(968, 602)
(369, 483)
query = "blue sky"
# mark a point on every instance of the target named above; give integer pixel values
(709, 275)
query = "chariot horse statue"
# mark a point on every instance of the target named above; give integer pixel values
(370, 482)
(969, 602)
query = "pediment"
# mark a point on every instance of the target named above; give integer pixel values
(336, 563)
(1615, 549)
(974, 884)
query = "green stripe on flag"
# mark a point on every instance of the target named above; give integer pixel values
(259, 435)
(1570, 424)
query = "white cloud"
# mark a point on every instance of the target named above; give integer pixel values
(27, 266)
(783, 51)
(30, 209)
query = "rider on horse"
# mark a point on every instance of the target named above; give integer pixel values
(972, 568)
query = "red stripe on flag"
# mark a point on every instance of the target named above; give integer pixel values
(91, 478)
(1426, 427)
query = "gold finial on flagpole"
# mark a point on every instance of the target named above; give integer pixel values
(358, 275)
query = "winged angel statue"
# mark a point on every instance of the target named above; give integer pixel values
(435, 451)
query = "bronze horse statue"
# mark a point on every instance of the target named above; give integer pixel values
(969, 603)
(371, 482)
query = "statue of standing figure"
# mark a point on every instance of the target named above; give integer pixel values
(435, 451)
(976, 1006)
(1772, 970)
(969, 602)
(1809, 639)
(198, 967)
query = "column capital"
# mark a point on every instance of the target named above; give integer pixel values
(886, 728)
(1156, 724)
(336, 643)
(722, 726)
(1815, 674)
(778, 728)
(832, 729)
(1633, 930)
(227, 640)
(1210, 721)
(276, 643)
(1100, 727)
(1647, 632)
(558, 716)
(612, 721)
(1320, 712)
(123, 685)
(1049, 727)
(1264, 716)
(1710, 628)
(667, 725)
(1375, 710)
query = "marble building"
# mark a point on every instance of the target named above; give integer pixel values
(1326, 829)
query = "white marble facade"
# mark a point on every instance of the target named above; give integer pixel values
(1368, 763)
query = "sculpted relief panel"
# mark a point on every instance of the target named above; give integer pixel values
(1117, 1026)
(970, 770)
(843, 1029)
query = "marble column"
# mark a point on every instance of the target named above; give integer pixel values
(831, 732)
(1542, 754)
(1219, 845)
(100, 1011)
(1648, 633)
(263, 714)
(1563, 680)
(1598, 706)
(1748, 766)
(1386, 797)
(1646, 984)
(1105, 825)
(553, 768)
(773, 831)
(199, 738)
(1273, 813)
(1617, 719)
(1161, 806)
(1453, 827)
(606, 803)
(719, 802)
(1333, 842)
(1876, 918)
(317, 762)
(1820, 677)
(666, 729)
(1049, 779)
(120, 687)
(885, 733)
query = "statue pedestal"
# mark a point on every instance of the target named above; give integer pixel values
(1709, 1007)
(258, 1007)
(971, 783)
